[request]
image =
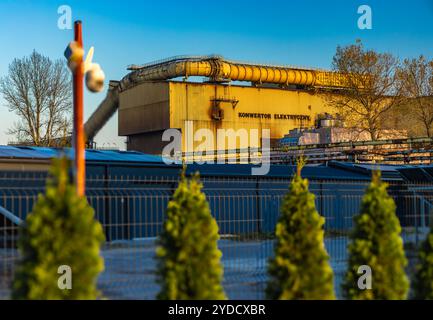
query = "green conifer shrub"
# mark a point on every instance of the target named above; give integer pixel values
(423, 284)
(189, 266)
(376, 242)
(60, 230)
(300, 268)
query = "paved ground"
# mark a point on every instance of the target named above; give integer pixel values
(130, 266)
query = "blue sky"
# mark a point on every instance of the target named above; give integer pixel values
(303, 33)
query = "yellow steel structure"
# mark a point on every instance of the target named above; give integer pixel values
(149, 104)
(146, 110)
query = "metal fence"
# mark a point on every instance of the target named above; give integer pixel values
(131, 211)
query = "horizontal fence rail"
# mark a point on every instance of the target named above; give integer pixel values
(132, 211)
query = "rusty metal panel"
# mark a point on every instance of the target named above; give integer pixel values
(266, 108)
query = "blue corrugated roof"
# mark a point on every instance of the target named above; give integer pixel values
(91, 155)
(278, 170)
(334, 169)
(24, 152)
(389, 172)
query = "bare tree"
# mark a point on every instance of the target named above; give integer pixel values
(38, 90)
(372, 87)
(416, 76)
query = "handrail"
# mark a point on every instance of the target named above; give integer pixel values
(179, 58)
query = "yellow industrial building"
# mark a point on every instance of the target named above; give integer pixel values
(146, 110)
(158, 96)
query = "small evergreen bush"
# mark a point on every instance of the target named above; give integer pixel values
(423, 284)
(300, 268)
(376, 242)
(61, 230)
(189, 266)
